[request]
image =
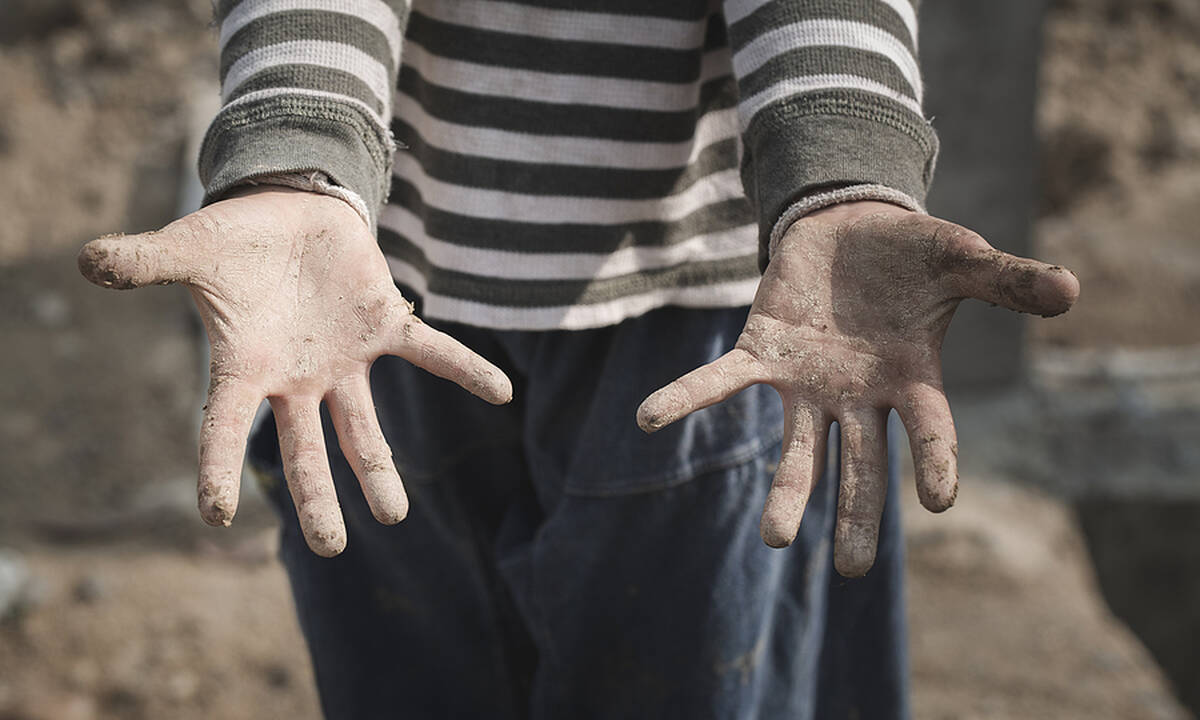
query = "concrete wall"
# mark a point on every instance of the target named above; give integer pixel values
(980, 59)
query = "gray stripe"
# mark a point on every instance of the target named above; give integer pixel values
(825, 60)
(778, 14)
(581, 21)
(582, 238)
(542, 293)
(553, 55)
(222, 8)
(547, 179)
(553, 119)
(306, 25)
(672, 9)
(310, 77)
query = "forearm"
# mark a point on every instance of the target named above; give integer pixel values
(830, 105)
(306, 87)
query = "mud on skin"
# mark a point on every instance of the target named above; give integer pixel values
(298, 301)
(848, 323)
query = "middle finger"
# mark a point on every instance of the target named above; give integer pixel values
(862, 491)
(309, 479)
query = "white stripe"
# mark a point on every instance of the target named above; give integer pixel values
(818, 33)
(520, 19)
(564, 89)
(907, 13)
(511, 265)
(500, 205)
(375, 12)
(570, 317)
(484, 142)
(336, 56)
(790, 87)
(269, 93)
(736, 10)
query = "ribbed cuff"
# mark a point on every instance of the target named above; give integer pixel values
(821, 200)
(832, 140)
(297, 135)
(317, 182)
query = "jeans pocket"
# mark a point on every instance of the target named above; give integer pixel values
(617, 458)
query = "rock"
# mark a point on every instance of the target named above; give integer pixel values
(89, 589)
(1008, 620)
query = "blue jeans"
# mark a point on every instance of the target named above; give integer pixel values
(559, 563)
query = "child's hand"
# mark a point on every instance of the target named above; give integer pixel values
(298, 302)
(847, 323)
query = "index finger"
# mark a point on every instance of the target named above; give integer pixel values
(707, 385)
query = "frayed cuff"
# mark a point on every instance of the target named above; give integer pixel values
(317, 182)
(853, 193)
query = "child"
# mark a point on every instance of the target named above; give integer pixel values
(585, 194)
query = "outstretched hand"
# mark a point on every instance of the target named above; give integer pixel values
(298, 302)
(848, 323)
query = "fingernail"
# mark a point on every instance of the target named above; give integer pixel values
(389, 507)
(777, 534)
(651, 415)
(325, 535)
(216, 508)
(854, 554)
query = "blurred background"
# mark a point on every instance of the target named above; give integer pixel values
(1065, 583)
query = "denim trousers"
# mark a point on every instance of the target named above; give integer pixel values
(558, 563)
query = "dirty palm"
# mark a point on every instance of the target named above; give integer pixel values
(847, 324)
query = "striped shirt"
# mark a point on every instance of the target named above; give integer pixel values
(572, 163)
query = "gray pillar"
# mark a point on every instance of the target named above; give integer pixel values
(980, 60)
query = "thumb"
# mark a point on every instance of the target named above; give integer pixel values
(977, 270)
(707, 385)
(131, 261)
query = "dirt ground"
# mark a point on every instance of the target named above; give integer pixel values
(1119, 122)
(137, 610)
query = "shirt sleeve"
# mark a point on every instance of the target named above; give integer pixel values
(830, 100)
(306, 87)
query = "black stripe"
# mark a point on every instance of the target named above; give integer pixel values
(564, 180)
(222, 8)
(577, 237)
(571, 120)
(551, 293)
(310, 77)
(776, 14)
(826, 59)
(296, 25)
(715, 34)
(556, 56)
(667, 9)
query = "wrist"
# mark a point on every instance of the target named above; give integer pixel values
(842, 202)
(317, 182)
